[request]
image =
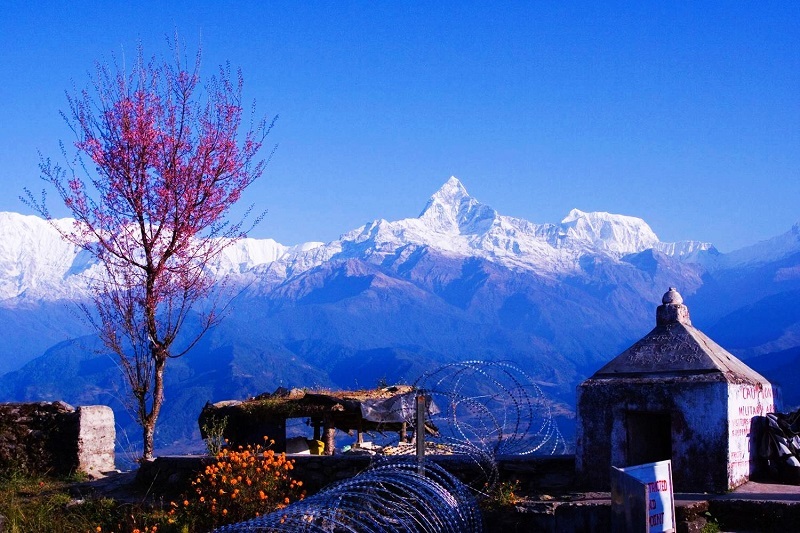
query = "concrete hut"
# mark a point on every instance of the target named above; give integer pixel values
(678, 395)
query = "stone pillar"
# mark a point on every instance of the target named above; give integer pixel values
(96, 439)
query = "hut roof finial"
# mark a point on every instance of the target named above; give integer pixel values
(672, 311)
(672, 296)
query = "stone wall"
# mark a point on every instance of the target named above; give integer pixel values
(54, 438)
(553, 504)
(173, 474)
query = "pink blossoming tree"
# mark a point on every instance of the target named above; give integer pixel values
(167, 162)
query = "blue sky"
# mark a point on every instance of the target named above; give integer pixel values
(684, 114)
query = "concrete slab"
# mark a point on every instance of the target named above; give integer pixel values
(754, 490)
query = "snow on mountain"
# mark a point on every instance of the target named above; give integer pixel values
(455, 223)
(34, 260)
(452, 210)
(35, 264)
(615, 234)
(247, 254)
(686, 250)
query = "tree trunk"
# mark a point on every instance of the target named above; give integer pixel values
(149, 424)
(148, 431)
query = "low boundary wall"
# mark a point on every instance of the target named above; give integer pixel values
(316, 471)
(54, 438)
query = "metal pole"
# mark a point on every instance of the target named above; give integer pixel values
(420, 433)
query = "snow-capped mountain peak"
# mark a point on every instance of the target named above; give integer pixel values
(457, 224)
(451, 194)
(613, 233)
(452, 210)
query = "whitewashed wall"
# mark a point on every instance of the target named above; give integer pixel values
(745, 401)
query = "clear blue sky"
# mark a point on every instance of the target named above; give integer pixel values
(685, 114)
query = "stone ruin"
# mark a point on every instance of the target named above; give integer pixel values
(675, 394)
(55, 438)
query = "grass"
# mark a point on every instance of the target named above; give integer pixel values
(502, 495)
(42, 504)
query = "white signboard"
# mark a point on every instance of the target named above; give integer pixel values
(653, 481)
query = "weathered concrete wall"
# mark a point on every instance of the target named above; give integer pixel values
(55, 438)
(746, 403)
(712, 430)
(698, 413)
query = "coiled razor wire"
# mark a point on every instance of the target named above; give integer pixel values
(394, 494)
(480, 410)
(490, 407)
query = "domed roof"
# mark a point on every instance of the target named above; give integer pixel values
(672, 296)
(674, 346)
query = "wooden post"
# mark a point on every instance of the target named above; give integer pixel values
(317, 429)
(420, 431)
(330, 436)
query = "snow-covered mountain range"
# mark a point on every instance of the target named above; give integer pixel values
(36, 264)
(391, 299)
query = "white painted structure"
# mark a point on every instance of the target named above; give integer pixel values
(675, 394)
